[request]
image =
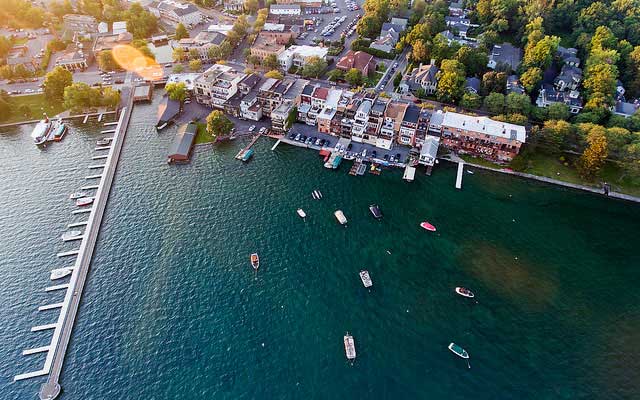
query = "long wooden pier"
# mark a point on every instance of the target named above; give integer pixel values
(247, 147)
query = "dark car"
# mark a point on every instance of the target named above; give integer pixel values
(398, 156)
(327, 143)
(313, 139)
(322, 141)
(119, 80)
(374, 154)
(349, 146)
(303, 139)
(292, 136)
(386, 157)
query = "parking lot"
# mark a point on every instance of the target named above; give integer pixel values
(323, 21)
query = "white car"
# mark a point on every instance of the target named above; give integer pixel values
(252, 128)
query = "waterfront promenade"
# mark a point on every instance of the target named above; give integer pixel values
(69, 307)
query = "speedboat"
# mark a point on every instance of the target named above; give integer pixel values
(41, 130)
(459, 351)
(247, 155)
(301, 213)
(365, 278)
(349, 346)
(255, 261)
(59, 131)
(316, 194)
(469, 172)
(104, 142)
(77, 195)
(375, 210)
(60, 273)
(84, 201)
(340, 217)
(427, 226)
(464, 292)
(71, 234)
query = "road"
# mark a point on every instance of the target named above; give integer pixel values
(402, 61)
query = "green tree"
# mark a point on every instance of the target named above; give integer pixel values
(61, 8)
(275, 74)
(530, 79)
(143, 47)
(494, 82)
(178, 69)
(218, 124)
(475, 60)
(176, 91)
(314, 67)
(336, 75)
(141, 23)
(5, 46)
(55, 83)
(471, 101)
(451, 81)
(106, 62)
(181, 32)
(110, 97)
(270, 62)
(594, 156)
(80, 96)
(494, 103)
(195, 65)
(179, 54)
(419, 51)
(353, 77)
(369, 26)
(251, 6)
(558, 111)
(518, 104)
(554, 134)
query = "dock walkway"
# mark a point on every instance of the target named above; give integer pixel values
(247, 147)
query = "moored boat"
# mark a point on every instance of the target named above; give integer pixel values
(84, 201)
(255, 261)
(301, 213)
(427, 226)
(71, 234)
(365, 278)
(349, 346)
(458, 350)
(60, 273)
(340, 217)
(59, 131)
(77, 195)
(104, 142)
(375, 210)
(464, 292)
(247, 155)
(41, 130)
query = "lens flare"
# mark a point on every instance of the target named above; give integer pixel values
(133, 60)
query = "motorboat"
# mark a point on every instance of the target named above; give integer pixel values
(427, 226)
(465, 292)
(375, 210)
(77, 195)
(349, 346)
(301, 213)
(60, 273)
(365, 278)
(469, 172)
(104, 142)
(84, 201)
(41, 130)
(59, 131)
(340, 217)
(247, 155)
(255, 261)
(70, 235)
(460, 352)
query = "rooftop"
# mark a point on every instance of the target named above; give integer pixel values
(485, 125)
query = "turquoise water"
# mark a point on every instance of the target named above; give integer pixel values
(172, 308)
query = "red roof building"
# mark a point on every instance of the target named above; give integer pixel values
(359, 60)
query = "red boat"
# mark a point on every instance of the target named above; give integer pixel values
(427, 226)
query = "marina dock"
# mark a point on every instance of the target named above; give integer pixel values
(247, 147)
(62, 328)
(459, 176)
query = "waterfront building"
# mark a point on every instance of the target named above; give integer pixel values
(393, 117)
(174, 13)
(481, 136)
(360, 120)
(299, 55)
(280, 117)
(325, 117)
(73, 59)
(108, 42)
(217, 85)
(233, 5)
(409, 125)
(250, 108)
(422, 130)
(183, 143)
(272, 93)
(80, 24)
(374, 123)
(429, 151)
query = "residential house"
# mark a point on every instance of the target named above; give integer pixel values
(360, 120)
(250, 108)
(472, 85)
(393, 117)
(375, 121)
(272, 93)
(249, 82)
(422, 130)
(216, 85)
(299, 55)
(346, 124)
(201, 43)
(264, 46)
(626, 109)
(79, 24)
(318, 101)
(568, 56)
(458, 24)
(173, 13)
(108, 42)
(429, 151)
(456, 9)
(324, 119)
(233, 5)
(389, 36)
(481, 136)
(452, 38)
(435, 123)
(569, 78)
(119, 27)
(424, 77)
(409, 125)
(513, 85)
(285, 9)
(280, 117)
(282, 34)
(364, 62)
(400, 22)
(505, 56)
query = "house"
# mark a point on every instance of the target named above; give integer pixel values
(173, 13)
(472, 85)
(202, 43)
(393, 117)
(307, 4)
(435, 123)
(217, 85)
(409, 126)
(108, 42)
(626, 109)
(376, 119)
(264, 46)
(482, 137)
(456, 9)
(424, 77)
(250, 108)
(568, 56)
(513, 85)
(78, 23)
(189, 79)
(285, 9)
(360, 119)
(119, 27)
(505, 57)
(299, 55)
(458, 24)
(19, 55)
(248, 83)
(220, 28)
(73, 59)
(429, 151)
(168, 110)
(280, 117)
(233, 5)
(273, 93)
(422, 130)
(282, 34)
(183, 143)
(389, 36)
(569, 78)
(364, 62)
(400, 22)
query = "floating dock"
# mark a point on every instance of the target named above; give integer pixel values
(409, 173)
(86, 118)
(459, 176)
(104, 132)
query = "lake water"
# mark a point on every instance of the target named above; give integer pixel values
(173, 310)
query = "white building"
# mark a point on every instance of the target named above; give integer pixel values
(174, 13)
(360, 121)
(429, 150)
(119, 27)
(250, 108)
(217, 85)
(298, 55)
(224, 29)
(285, 9)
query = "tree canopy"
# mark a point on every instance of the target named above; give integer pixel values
(218, 124)
(55, 83)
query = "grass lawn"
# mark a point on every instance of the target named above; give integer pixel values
(480, 161)
(373, 81)
(37, 105)
(20, 41)
(203, 136)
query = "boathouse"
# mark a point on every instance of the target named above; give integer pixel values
(143, 92)
(183, 143)
(167, 111)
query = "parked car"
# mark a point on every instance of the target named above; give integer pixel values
(292, 136)
(297, 137)
(252, 128)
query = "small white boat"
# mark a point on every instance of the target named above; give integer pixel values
(469, 172)
(71, 234)
(77, 195)
(104, 142)
(84, 201)
(460, 352)
(255, 261)
(349, 346)
(365, 278)
(60, 273)
(340, 217)
(464, 292)
(301, 213)
(316, 194)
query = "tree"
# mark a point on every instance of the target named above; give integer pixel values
(494, 103)
(251, 6)
(314, 67)
(176, 91)
(5, 106)
(106, 62)
(600, 81)
(471, 101)
(494, 82)
(218, 124)
(178, 69)
(141, 23)
(80, 96)
(559, 111)
(60, 9)
(369, 26)
(336, 75)
(270, 62)
(530, 79)
(518, 104)
(419, 51)
(554, 134)
(594, 156)
(451, 81)
(181, 32)
(5, 46)
(55, 83)
(275, 74)
(474, 60)
(179, 54)
(253, 60)
(353, 77)
(195, 65)
(110, 97)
